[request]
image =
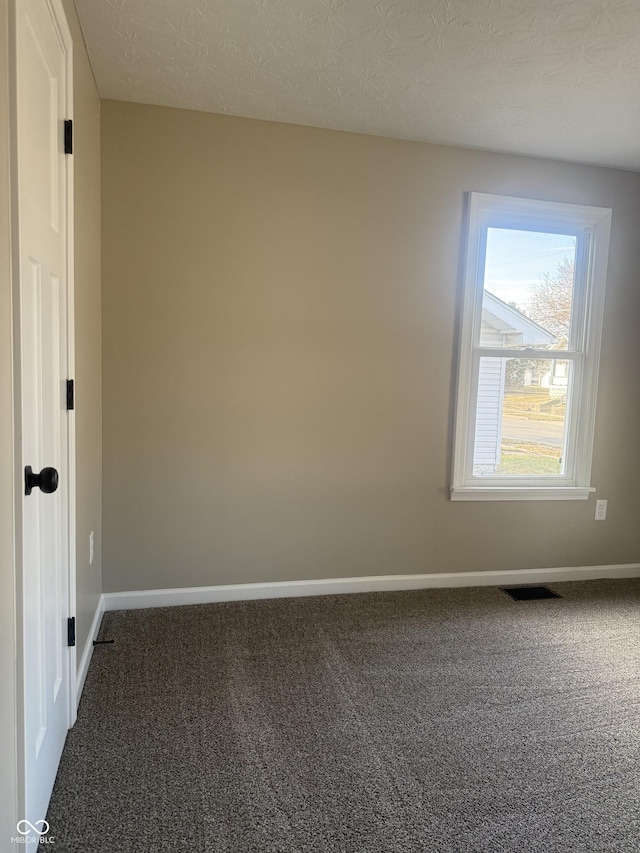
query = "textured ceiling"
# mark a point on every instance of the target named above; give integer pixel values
(554, 78)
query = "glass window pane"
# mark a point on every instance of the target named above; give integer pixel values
(521, 417)
(528, 289)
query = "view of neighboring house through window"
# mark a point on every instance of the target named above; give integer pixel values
(522, 402)
(530, 344)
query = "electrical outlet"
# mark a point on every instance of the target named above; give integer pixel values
(601, 510)
(91, 548)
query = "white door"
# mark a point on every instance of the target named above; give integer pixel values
(42, 79)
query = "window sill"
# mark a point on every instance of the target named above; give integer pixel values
(521, 493)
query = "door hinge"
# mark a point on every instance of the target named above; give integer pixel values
(71, 631)
(68, 136)
(71, 399)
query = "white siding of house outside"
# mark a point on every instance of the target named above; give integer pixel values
(488, 437)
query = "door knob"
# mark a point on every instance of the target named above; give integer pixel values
(46, 480)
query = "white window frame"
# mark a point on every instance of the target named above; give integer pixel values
(591, 226)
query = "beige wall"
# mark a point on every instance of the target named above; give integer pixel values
(8, 738)
(88, 329)
(279, 309)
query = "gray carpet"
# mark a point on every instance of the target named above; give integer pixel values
(439, 720)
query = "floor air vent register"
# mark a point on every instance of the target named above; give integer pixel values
(529, 593)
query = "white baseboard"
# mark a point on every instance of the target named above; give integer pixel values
(85, 660)
(136, 599)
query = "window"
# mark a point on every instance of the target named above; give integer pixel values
(529, 349)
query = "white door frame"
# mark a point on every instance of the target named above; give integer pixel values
(58, 15)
